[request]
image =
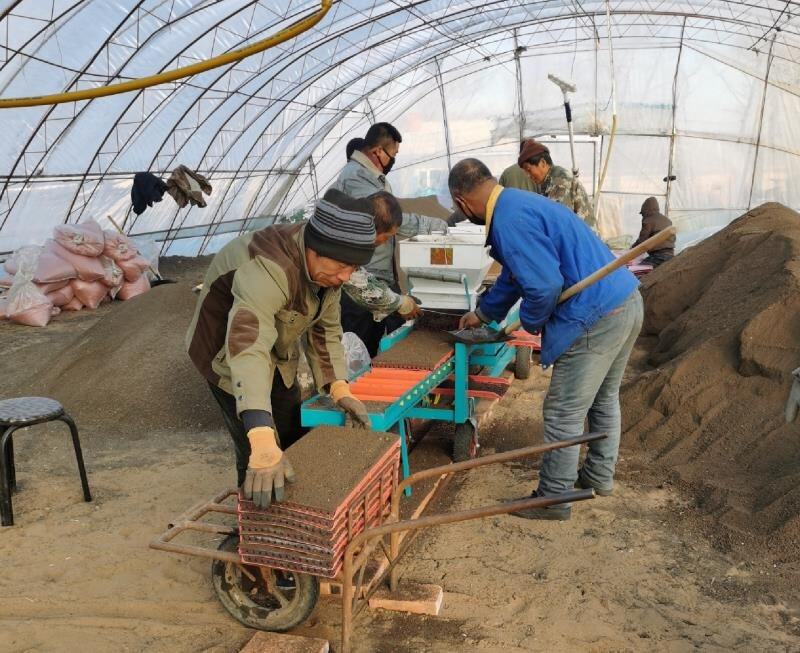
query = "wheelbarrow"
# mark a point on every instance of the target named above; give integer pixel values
(266, 598)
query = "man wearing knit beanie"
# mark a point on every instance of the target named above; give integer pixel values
(555, 182)
(263, 293)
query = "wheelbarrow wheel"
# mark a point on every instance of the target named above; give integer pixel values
(465, 442)
(275, 601)
(522, 363)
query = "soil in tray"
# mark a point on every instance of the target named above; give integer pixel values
(421, 350)
(330, 461)
(325, 403)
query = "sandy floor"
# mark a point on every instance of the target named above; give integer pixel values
(627, 573)
(634, 572)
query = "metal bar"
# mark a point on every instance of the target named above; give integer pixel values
(440, 84)
(461, 374)
(760, 122)
(404, 454)
(671, 160)
(426, 522)
(446, 470)
(189, 521)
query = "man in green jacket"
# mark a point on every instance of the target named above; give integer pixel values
(262, 293)
(516, 177)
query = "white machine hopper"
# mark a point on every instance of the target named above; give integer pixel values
(446, 271)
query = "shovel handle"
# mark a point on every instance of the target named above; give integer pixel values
(607, 269)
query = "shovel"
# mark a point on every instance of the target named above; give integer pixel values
(486, 335)
(159, 280)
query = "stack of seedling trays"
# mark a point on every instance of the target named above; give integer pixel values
(344, 483)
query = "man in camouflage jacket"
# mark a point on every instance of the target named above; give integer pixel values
(555, 182)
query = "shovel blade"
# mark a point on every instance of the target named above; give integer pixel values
(479, 336)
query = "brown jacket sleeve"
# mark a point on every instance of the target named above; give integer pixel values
(645, 233)
(251, 334)
(324, 346)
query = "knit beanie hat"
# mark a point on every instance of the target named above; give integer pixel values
(342, 228)
(531, 149)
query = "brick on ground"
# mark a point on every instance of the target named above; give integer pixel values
(263, 642)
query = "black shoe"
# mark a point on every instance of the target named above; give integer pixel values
(553, 513)
(583, 484)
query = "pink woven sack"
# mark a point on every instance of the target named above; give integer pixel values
(73, 304)
(118, 247)
(88, 268)
(133, 268)
(131, 289)
(85, 239)
(53, 285)
(89, 293)
(61, 296)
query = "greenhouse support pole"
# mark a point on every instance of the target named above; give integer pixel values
(760, 122)
(520, 101)
(671, 162)
(440, 84)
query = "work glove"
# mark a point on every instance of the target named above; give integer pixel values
(267, 468)
(409, 308)
(355, 410)
(793, 402)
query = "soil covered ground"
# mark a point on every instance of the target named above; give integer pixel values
(655, 567)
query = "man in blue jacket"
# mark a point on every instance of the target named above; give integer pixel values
(544, 248)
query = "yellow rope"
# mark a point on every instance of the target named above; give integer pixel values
(170, 76)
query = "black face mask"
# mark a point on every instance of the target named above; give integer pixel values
(471, 216)
(390, 164)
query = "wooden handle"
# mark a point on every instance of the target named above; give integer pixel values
(114, 222)
(607, 269)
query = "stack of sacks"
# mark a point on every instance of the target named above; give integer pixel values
(80, 267)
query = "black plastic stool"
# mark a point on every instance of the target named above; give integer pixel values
(19, 413)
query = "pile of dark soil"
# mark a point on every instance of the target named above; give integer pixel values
(726, 317)
(129, 372)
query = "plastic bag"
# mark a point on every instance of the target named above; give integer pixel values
(356, 355)
(49, 267)
(89, 293)
(118, 246)
(150, 250)
(88, 268)
(130, 290)
(26, 303)
(85, 239)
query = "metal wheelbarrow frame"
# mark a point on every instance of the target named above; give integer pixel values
(361, 548)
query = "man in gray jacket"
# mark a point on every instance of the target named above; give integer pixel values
(364, 175)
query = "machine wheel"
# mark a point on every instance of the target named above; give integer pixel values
(522, 363)
(277, 601)
(465, 442)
